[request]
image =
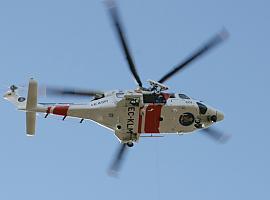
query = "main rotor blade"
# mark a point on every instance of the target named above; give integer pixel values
(56, 91)
(217, 39)
(216, 135)
(117, 162)
(111, 5)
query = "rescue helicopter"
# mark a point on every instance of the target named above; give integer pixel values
(131, 114)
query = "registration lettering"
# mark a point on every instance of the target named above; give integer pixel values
(130, 120)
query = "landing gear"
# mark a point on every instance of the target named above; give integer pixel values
(199, 126)
(130, 144)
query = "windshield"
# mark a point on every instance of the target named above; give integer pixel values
(202, 108)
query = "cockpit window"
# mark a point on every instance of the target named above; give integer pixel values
(120, 95)
(202, 108)
(183, 96)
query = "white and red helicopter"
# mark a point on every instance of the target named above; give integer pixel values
(140, 112)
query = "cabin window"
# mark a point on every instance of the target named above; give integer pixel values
(183, 96)
(154, 98)
(120, 95)
(98, 97)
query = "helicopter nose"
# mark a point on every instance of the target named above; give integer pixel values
(220, 116)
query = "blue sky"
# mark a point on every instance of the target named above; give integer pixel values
(72, 43)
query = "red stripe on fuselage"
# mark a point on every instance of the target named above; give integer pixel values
(152, 119)
(60, 110)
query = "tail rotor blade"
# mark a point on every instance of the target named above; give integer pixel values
(57, 91)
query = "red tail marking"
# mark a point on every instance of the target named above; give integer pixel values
(152, 119)
(60, 110)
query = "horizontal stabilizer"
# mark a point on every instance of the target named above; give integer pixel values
(30, 123)
(31, 106)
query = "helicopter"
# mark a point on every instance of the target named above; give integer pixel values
(130, 114)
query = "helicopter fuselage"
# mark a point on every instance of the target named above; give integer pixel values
(130, 114)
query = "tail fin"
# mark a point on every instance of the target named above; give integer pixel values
(31, 105)
(13, 97)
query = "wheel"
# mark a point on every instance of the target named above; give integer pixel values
(130, 144)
